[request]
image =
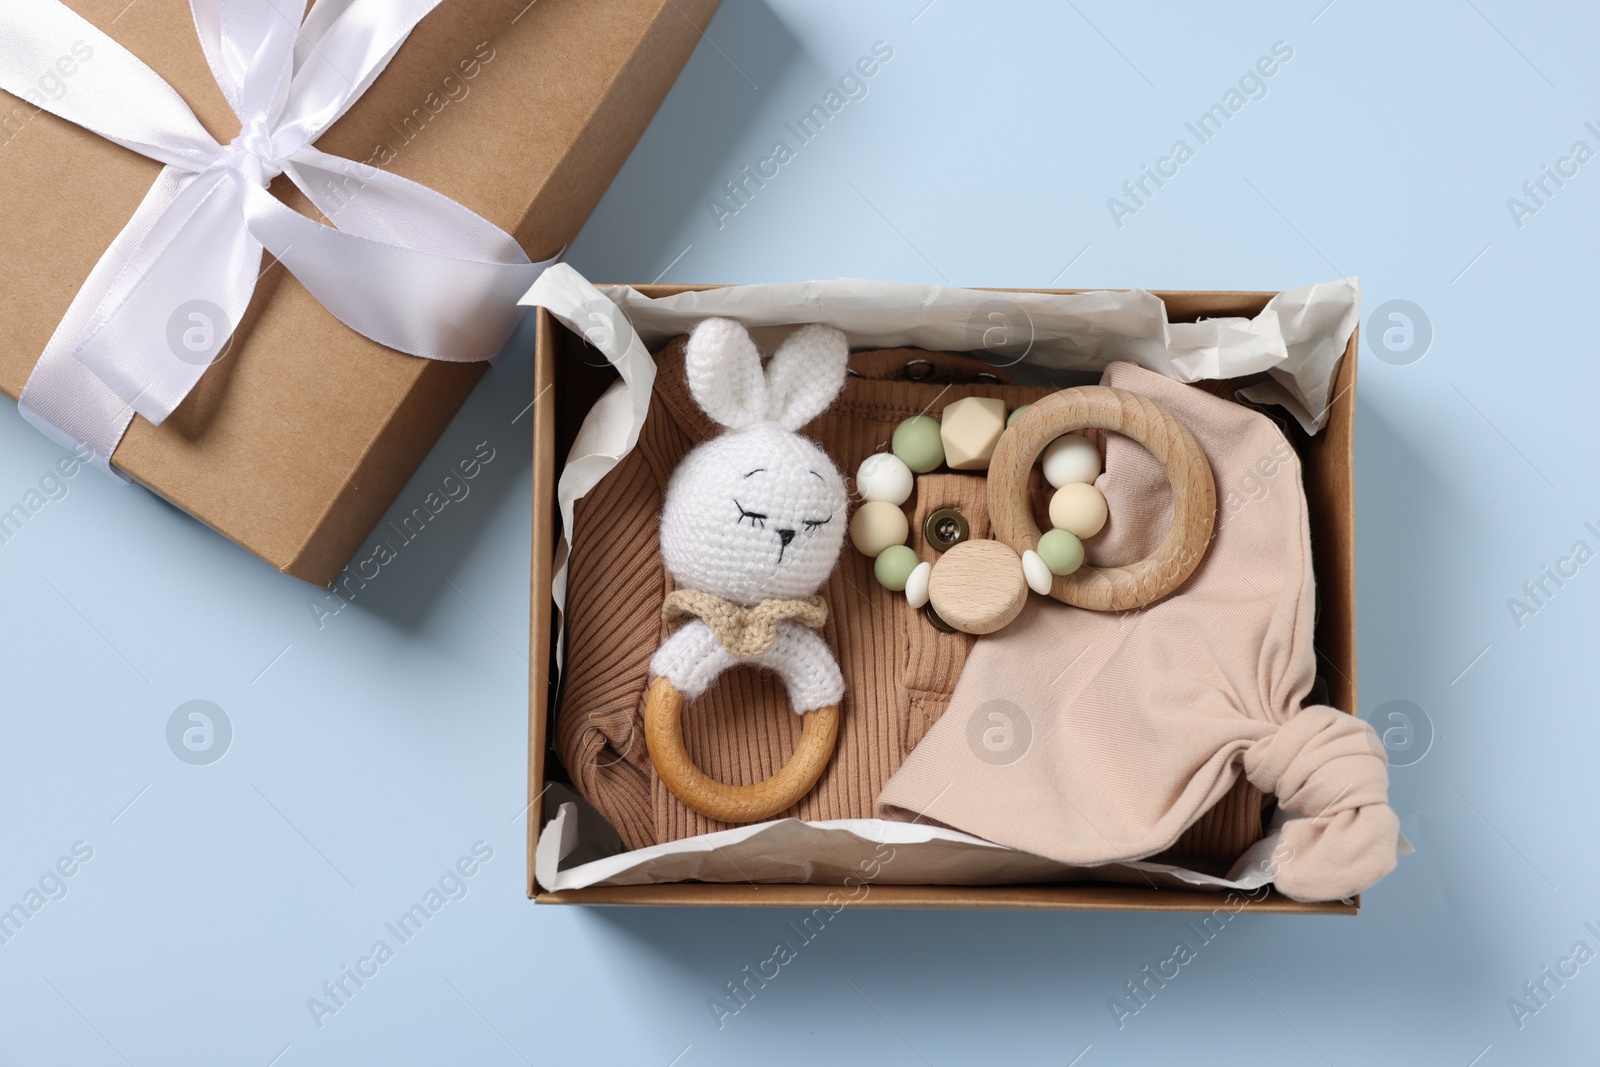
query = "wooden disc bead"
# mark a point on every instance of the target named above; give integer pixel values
(978, 586)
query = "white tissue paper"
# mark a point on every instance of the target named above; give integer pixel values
(1296, 340)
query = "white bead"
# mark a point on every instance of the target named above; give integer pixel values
(1040, 580)
(1071, 458)
(1079, 509)
(917, 584)
(884, 476)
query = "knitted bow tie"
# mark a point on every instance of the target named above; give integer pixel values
(744, 632)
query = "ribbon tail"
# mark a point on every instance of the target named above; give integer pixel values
(366, 201)
(69, 405)
(174, 307)
(63, 398)
(423, 303)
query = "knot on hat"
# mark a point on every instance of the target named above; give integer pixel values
(1330, 768)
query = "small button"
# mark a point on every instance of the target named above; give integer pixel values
(945, 529)
(938, 623)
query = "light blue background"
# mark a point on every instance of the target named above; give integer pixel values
(370, 753)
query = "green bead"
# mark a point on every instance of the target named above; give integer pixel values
(1016, 415)
(894, 565)
(916, 441)
(1061, 551)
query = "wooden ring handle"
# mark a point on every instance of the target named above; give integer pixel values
(1102, 407)
(663, 735)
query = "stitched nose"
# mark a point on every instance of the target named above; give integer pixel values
(785, 536)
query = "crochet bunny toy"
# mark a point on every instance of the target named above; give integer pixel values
(754, 518)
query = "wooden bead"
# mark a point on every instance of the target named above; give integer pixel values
(876, 525)
(978, 586)
(970, 428)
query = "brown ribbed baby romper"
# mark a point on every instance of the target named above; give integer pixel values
(899, 670)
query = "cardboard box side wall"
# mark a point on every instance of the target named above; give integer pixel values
(568, 388)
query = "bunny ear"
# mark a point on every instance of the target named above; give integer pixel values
(724, 372)
(806, 374)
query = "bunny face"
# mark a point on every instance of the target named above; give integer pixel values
(753, 515)
(757, 513)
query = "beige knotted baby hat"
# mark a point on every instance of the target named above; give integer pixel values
(1091, 737)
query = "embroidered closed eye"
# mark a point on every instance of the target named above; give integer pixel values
(757, 518)
(812, 524)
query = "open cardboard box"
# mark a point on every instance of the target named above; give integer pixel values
(566, 387)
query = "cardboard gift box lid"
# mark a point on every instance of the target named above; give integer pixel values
(299, 437)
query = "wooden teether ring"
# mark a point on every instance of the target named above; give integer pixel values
(1102, 407)
(663, 735)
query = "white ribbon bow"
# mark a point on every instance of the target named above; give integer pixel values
(407, 267)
